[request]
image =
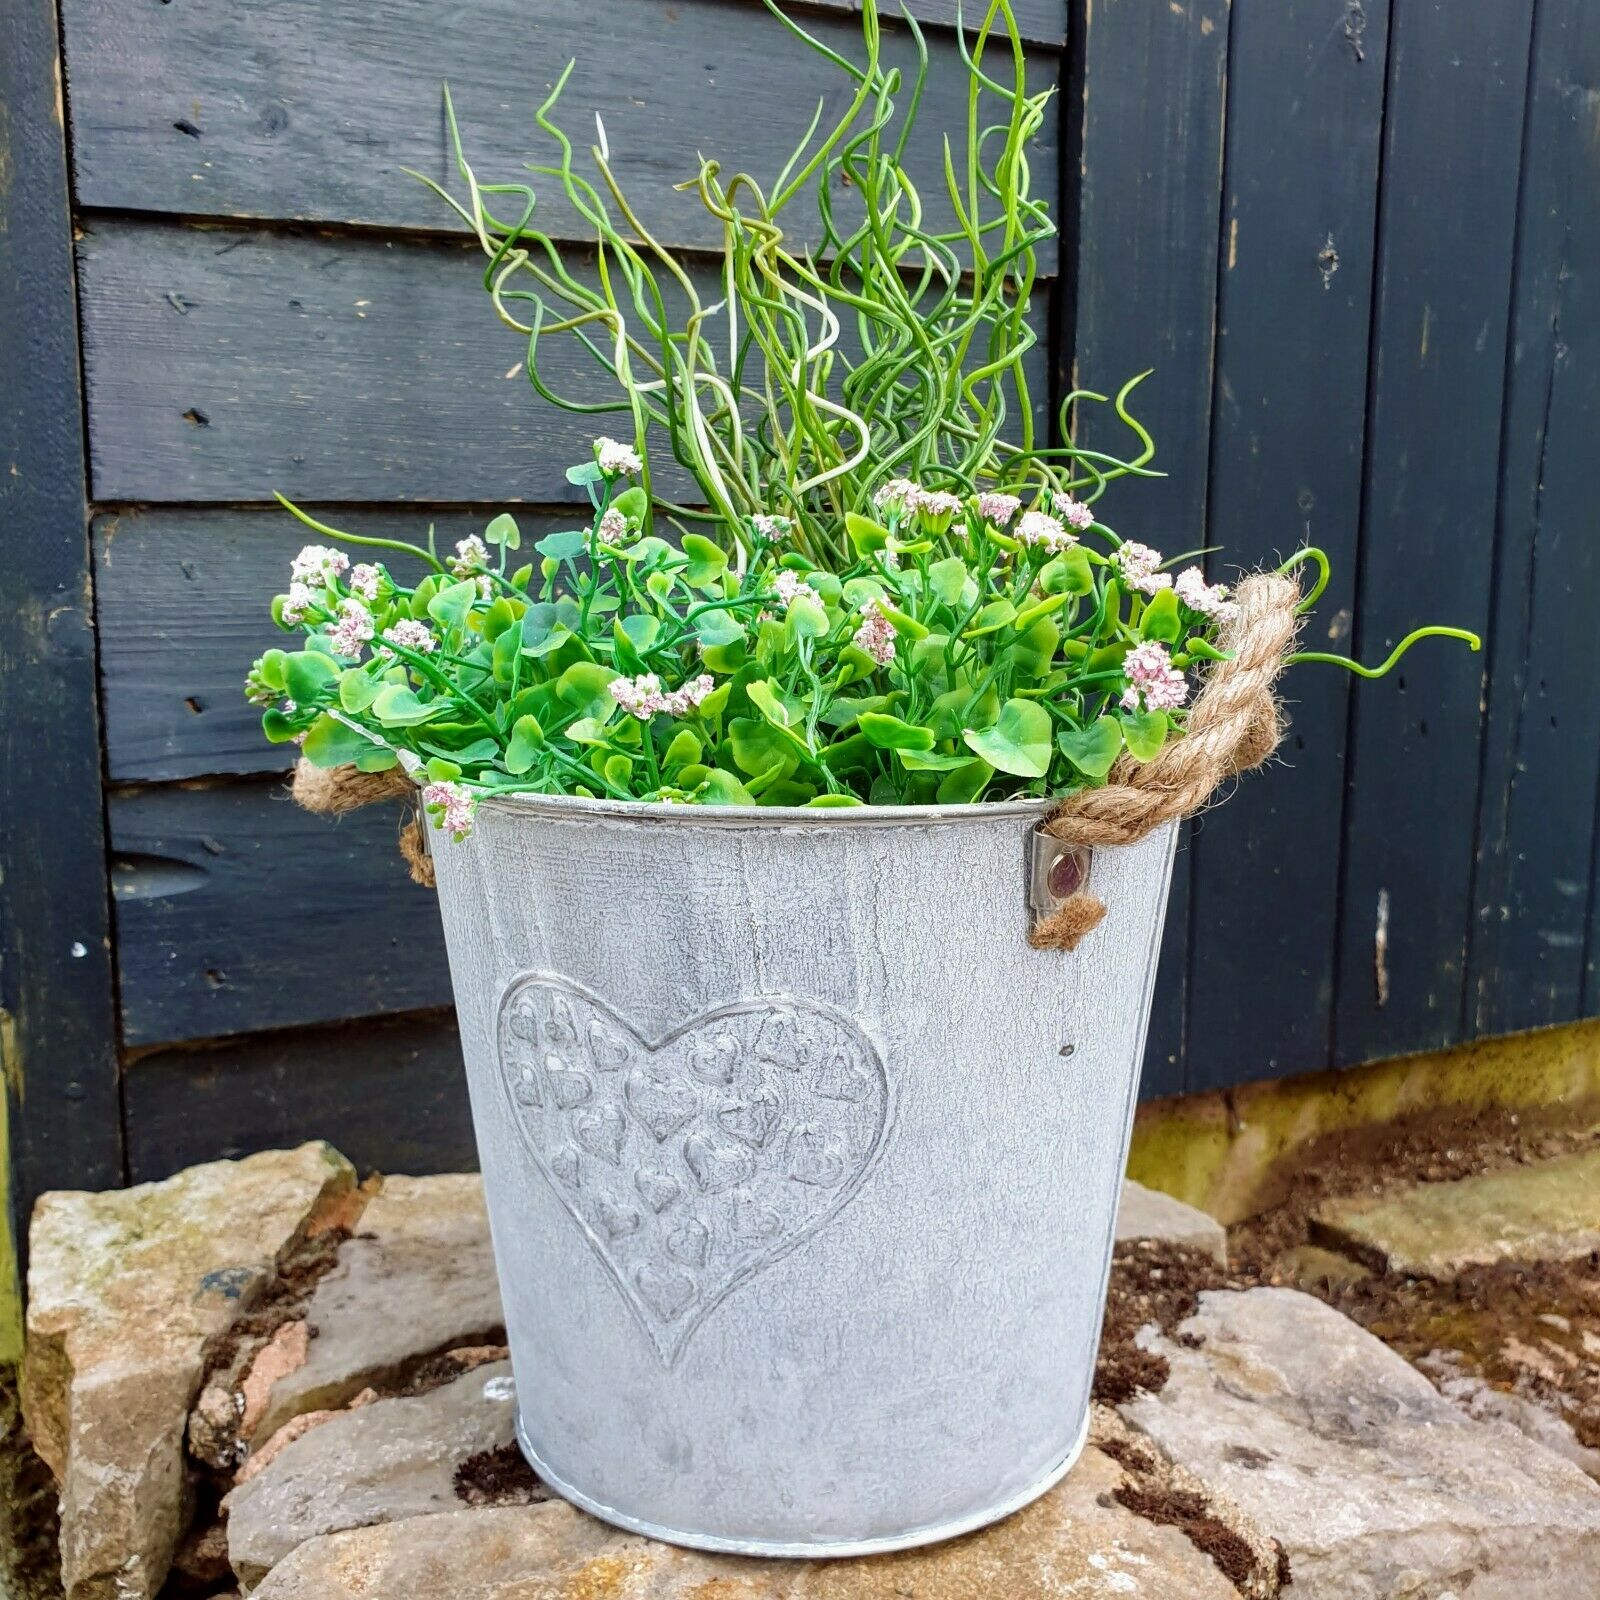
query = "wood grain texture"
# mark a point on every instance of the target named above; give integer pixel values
(57, 1024)
(1305, 109)
(1145, 206)
(389, 1093)
(182, 611)
(1455, 114)
(309, 109)
(223, 364)
(1542, 758)
(238, 911)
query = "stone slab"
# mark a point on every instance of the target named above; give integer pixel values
(1546, 1211)
(418, 1278)
(128, 1292)
(385, 1462)
(1150, 1214)
(1375, 1484)
(1077, 1543)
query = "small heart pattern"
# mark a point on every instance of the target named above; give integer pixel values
(693, 1161)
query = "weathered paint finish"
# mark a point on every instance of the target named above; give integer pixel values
(1305, 112)
(57, 1030)
(774, 1096)
(1453, 127)
(1144, 206)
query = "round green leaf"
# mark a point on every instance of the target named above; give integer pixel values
(1019, 743)
(503, 530)
(1145, 733)
(891, 733)
(1093, 749)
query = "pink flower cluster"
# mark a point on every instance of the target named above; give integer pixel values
(300, 599)
(771, 528)
(790, 588)
(1074, 512)
(1040, 528)
(617, 459)
(353, 629)
(318, 563)
(998, 509)
(1138, 563)
(876, 635)
(1153, 678)
(457, 807)
(643, 697)
(365, 579)
(613, 526)
(409, 634)
(1209, 599)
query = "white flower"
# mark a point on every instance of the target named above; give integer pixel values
(1138, 563)
(456, 807)
(1073, 512)
(613, 526)
(471, 554)
(616, 459)
(409, 634)
(876, 635)
(898, 494)
(353, 629)
(998, 509)
(1041, 529)
(300, 599)
(1209, 599)
(640, 697)
(318, 563)
(364, 579)
(791, 588)
(771, 528)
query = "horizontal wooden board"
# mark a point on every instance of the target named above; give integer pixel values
(388, 1093)
(1453, 127)
(182, 598)
(237, 911)
(223, 364)
(308, 109)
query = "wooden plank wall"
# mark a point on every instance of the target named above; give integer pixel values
(1263, 203)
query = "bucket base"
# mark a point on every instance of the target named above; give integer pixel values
(820, 1549)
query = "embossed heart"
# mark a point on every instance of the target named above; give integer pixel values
(693, 1162)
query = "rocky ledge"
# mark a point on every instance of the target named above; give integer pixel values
(263, 1378)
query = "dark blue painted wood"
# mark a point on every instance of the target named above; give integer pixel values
(312, 108)
(1542, 755)
(1305, 107)
(238, 911)
(1143, 222)
(57, 1029)
(1457, 77)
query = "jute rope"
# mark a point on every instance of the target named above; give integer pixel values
(1234, 724)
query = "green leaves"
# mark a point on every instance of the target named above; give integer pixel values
(522, 749)
(503, 530)
(1145, 733)
(866, 535)
(332, 743)
(1092, 750)
(307, 674)
(1019, 743)
(450, 607)
(707, 561)
(890, 733)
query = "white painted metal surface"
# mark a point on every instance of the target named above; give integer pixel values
(802, 1166)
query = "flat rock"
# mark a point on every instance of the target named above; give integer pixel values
(1376, 1485)
(1547, 1211)
(387, 1461)
(1077, 1543)
(128, 1293)
(418, 1278)
(1150, 1214)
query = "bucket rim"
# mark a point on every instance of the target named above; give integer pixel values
(758, 817)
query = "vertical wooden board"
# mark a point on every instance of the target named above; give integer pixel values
(1457, 76)
(57, 1025)
(1305, 109)
(1542, 755)
(389, 1093)
(1142, 214)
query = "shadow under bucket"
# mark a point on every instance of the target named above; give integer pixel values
(802, 1165)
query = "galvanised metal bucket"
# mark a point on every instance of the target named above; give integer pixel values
(802, 1165)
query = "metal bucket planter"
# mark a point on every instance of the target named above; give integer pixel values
(802, 1166)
